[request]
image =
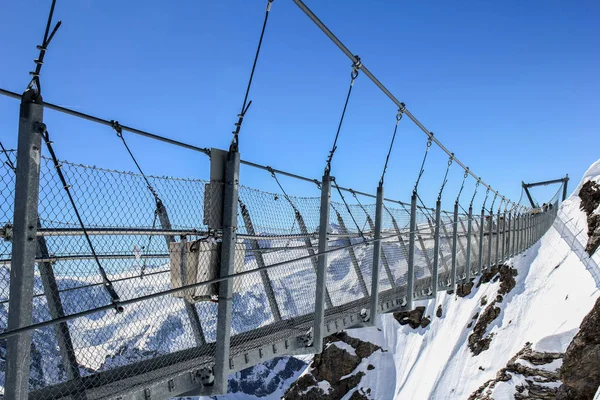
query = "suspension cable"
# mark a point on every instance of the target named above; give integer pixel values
(362, 208)
(246, 104)
(107, 283)
(387, 158)
(474, 194)
(353, 75)
(429, 141)
(487, 193)
(360, 232)
(493, 201)
(119, 130)
(462, 186)
(158, 202)
(35, 75)
(8, 160)
(445, 176)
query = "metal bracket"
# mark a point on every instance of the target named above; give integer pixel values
(365, 314)
(7, 232)
(307, 339)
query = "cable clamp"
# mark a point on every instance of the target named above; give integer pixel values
(355, 68)
(269, 5)
(117, 127)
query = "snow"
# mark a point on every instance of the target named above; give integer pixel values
(554, 291)
(344, 346)
(552, 366)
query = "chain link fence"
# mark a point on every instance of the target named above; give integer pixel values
(143, 246)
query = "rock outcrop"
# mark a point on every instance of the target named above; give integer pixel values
(478, 340)
(538, 371)
(415, 318)
(580, 372)
(332, 373)
(590, 200)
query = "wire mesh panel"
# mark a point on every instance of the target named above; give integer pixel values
(111, 270)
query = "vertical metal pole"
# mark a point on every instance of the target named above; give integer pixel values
(319, 323)
(505, 234)
(260, 263)
(497, 263)
(376, 255)
(480, 266)
(18, 347)
(513, 235)
(436, 248)
(454, 245)
(518, 234)
(565, 183)
(490, 227)
(230, 208)
(410, 290)
(384, 259)
(468, 257)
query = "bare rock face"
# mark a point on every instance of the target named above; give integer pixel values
(540, 383)
(332, 369)
(414, 318)
(590, 199)
(464, 289)
(478, 340)
(580, 372)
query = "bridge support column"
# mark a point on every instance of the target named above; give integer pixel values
(319, 323)
(497, 263)
(490, 231)
(230, 208)
(376, 256)
(468, 255)
(454, 247)
(410, 290)
(481, 227)
(505, 235)
(436, 248)
(18, 347)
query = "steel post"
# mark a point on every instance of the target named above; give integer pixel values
(376, 255)
(505, 234)
(490, 230)
(320, 290)
(227, 264)
(565, 183)
(468, 255)
(497, 263)
(436, 248)
(18, 347)
(454, 246)
(481, 227)
(410, 290)
(513, 235)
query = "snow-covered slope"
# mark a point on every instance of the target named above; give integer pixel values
(554, 289)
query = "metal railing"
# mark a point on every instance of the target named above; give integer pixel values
(306, 274)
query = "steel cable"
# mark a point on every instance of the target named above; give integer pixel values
(245, 105)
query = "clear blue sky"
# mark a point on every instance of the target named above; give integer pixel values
(511, 87)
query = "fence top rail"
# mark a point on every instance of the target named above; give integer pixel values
(106, 122)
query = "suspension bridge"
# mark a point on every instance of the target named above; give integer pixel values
(222, 276)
